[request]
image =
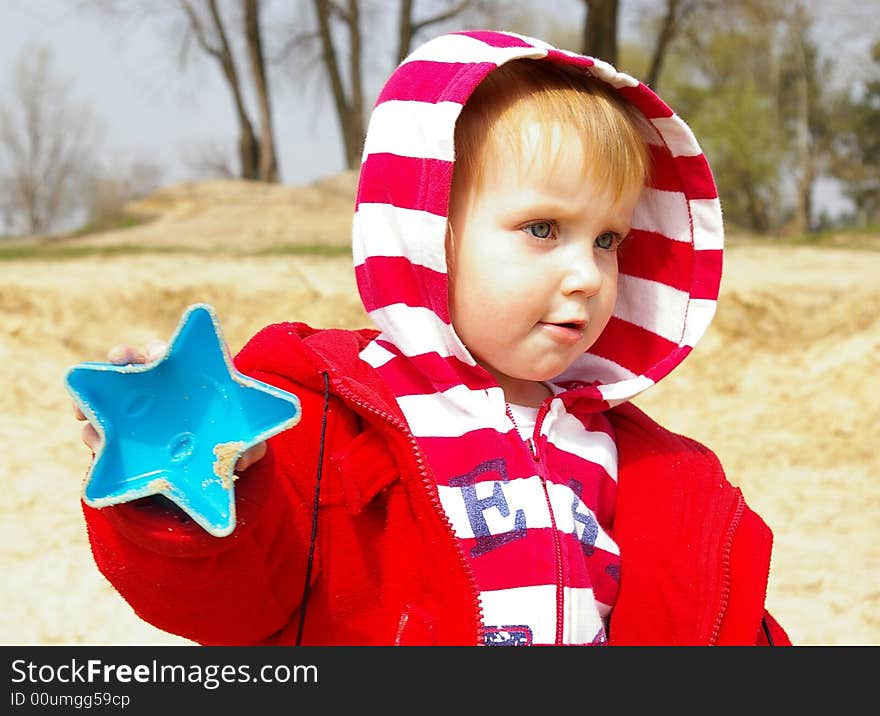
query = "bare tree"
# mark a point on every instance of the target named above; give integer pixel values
(349, 102)
(806, 167)
(268, 162)
(676, 17)
(409, 27)
(600, 30)
(49, 143)
(807, 104)
(116, 184)
(256, 154)
(202, 22)
(674, 12)
(209, 159)
(220, 39)
(343, 58)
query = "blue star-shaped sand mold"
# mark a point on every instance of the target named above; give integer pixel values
(176, 427)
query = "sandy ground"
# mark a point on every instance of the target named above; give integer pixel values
(784, 388)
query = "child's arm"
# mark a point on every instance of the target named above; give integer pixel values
(239, 589)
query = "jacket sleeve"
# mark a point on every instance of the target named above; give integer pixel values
(238, 589)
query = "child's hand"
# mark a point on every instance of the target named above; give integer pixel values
(153, 351)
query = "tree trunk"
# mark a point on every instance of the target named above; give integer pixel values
(806, 170)
(248, 144)
(759, 218)
(600, 30)
(348, 112)
(354, 144)
(404, 30)
(349, 100)
(268, 160)
(668, 30)
(408, 26)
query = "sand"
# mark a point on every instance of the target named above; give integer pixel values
(784, 387)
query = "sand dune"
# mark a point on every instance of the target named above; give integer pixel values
(784, 387)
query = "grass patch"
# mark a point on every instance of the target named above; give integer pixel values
(867, 237)
(58, 250)
(301, 250)
(111, 222)
(862, 239)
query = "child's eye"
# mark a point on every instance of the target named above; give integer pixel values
(608, 240)
(540, 229)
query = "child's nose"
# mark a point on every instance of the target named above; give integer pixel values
(580, 272)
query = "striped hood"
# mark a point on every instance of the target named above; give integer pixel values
(668, 276)
(530, 498)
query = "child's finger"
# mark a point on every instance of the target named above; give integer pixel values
(155, 350)
(80, 415)
(125, 354)
(250, 456)
(90, 437)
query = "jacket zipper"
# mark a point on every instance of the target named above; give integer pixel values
(431, 490)
(725, 566)
(532, 443)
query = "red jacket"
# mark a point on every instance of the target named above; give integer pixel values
(384, 566)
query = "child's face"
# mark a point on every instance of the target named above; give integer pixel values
(533, 262)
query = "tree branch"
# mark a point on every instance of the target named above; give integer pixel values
(339, 11)
(668, 30)
(408, 28)
(292, 44)
(195, 24)
(441, 17)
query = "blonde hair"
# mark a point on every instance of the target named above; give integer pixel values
(614, 152)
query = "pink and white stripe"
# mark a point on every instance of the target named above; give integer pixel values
(670, 271)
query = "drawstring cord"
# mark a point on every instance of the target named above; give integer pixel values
(767, 631)
(313, 539)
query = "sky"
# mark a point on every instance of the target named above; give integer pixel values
(152, 108)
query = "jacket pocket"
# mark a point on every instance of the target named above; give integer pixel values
(360, 470)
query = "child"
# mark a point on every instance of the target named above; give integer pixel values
(474, 473)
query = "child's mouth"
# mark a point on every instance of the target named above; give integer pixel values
(567, 331)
